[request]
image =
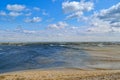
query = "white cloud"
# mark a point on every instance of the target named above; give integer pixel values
(98, 25)
(14, 14)
(103, 27)
(116, 24)
(74, 15)
(15, 7)
(28, 14)
(75, 8)
(58, 25)
(29, 32)
(111, 14)
(36, 8)
(33, 20)
(56, 35)
(106, 20)
(2, 13)
(45, 13)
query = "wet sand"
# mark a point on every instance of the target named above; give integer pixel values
(104, 58)
(62, 74)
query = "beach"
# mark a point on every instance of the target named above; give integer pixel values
(62, 74)
(68, 62)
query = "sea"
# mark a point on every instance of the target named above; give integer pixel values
(27, 56)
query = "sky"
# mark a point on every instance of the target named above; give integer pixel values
(59, 20)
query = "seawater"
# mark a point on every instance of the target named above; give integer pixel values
(40, 56)
(43, 56)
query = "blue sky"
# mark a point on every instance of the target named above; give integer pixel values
(59, 20)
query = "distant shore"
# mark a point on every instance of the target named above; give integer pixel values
(62, 74)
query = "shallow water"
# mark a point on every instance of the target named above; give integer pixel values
(42, 56)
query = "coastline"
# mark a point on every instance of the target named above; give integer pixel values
(100, 66)
(62, 74)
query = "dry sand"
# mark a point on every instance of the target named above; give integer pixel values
(62, 74)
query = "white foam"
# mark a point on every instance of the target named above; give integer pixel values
(62, 45)
(52, 45)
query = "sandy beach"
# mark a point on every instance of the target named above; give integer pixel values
(104, 64)
(62, 74)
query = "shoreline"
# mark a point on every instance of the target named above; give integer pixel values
(62, 74)
(100, 67)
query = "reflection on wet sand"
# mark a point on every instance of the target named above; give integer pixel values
(104, 57)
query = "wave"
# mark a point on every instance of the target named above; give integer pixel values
(57, 45)
(62, 45)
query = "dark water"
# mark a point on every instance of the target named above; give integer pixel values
(41, 56)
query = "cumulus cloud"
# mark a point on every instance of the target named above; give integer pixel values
(74, 15)
(106, 20)
(2, 13)
(58, 25)
(14, 14)
(101, 25)
(98, 25)
(16, 10)
(15, 7)
(115, 24)
(75, 8)
(33, 20)
(111, 14)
